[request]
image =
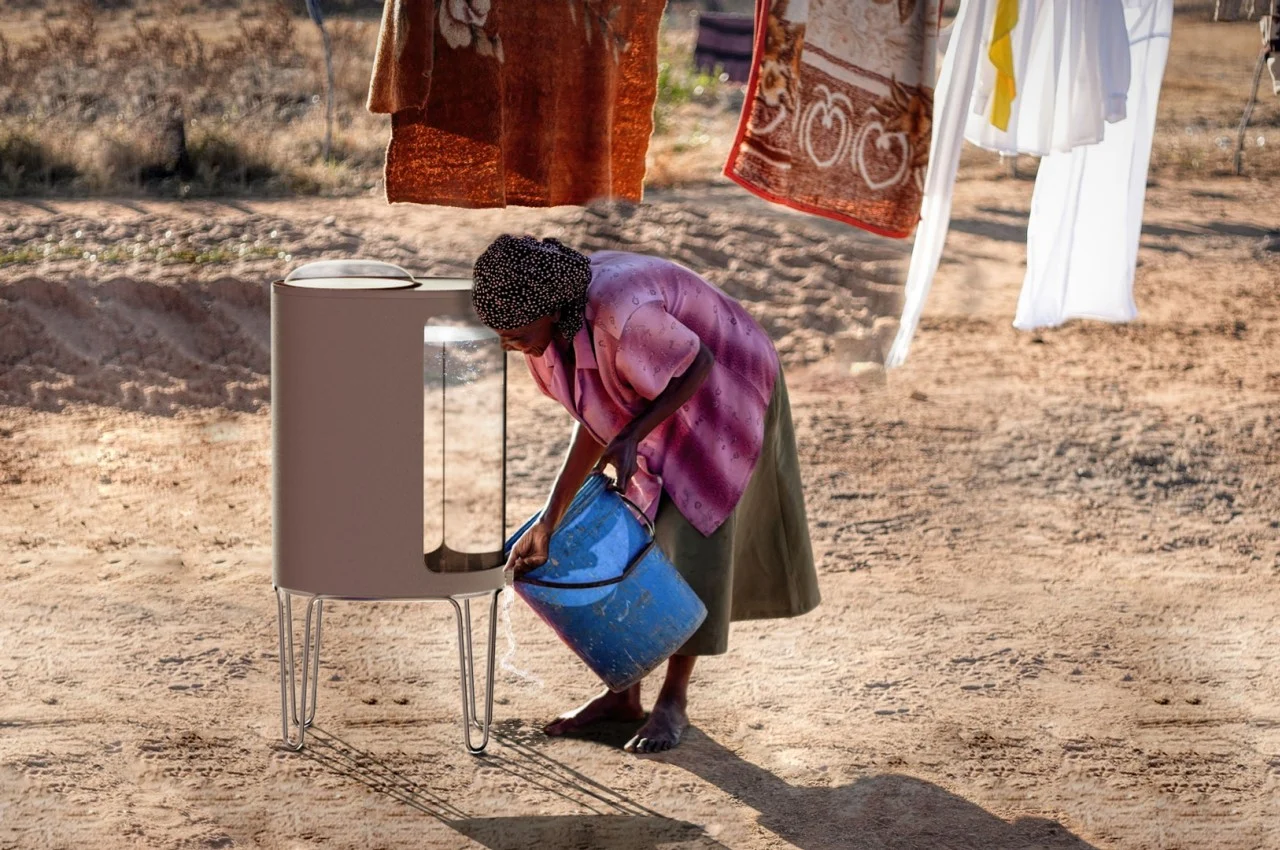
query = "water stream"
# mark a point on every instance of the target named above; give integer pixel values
(506, 662)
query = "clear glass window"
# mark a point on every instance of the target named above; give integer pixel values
(463, 446)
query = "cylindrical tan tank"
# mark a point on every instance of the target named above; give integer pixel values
(369, 499)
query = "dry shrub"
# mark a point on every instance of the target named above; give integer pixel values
(29, 162)
(269, 39)
(75, 42)
(222, 159)
(108, 159)
(353, 43)
(169, 44)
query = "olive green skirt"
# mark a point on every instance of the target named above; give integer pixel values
(759, 563)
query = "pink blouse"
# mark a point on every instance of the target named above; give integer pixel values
(645, 319)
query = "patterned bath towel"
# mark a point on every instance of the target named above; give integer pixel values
(516, 102)
(838, 112)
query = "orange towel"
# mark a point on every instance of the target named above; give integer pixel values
(516, 102)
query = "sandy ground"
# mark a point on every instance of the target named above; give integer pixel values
(1050, 562)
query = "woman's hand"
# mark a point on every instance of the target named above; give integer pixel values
(622, 455)
(532, 549)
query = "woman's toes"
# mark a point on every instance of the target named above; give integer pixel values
(647, 745)
(639, 745)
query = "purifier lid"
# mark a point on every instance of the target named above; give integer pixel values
(350, 274)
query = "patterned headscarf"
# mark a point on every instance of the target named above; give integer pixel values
(518, 280)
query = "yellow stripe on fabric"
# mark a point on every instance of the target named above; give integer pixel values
(1001, 55)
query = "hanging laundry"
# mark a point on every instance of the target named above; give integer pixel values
(1001, 56)
(1071, 58)
(514, 102)
(837, 116)
(402, 76)
(1071, 62)
(951, 109)
(1270, 26)
(1086, 212)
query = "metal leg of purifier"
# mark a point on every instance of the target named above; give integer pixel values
(469, 677)
(297, 704)
(466, 667)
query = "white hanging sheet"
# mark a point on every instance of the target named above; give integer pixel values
(950, 109)
(1086, 212)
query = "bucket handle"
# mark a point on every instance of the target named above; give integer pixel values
(635, 562)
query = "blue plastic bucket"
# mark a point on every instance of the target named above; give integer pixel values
(607, 590)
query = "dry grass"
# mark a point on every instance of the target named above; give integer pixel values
(91, 91)
(90, 102)
(1205, 88)
(695, 117)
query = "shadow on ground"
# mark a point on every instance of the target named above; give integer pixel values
(1014, 226)
(882, 812)
(885, 812)
(589, 832)
(609, 820)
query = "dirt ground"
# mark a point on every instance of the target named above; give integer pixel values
(1050, 562)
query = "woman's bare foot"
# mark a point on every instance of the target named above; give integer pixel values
(669, 719)
(622, 706)
(667, 723)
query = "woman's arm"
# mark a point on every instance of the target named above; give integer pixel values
(622, 452)
(584, 453)
(532, 549)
